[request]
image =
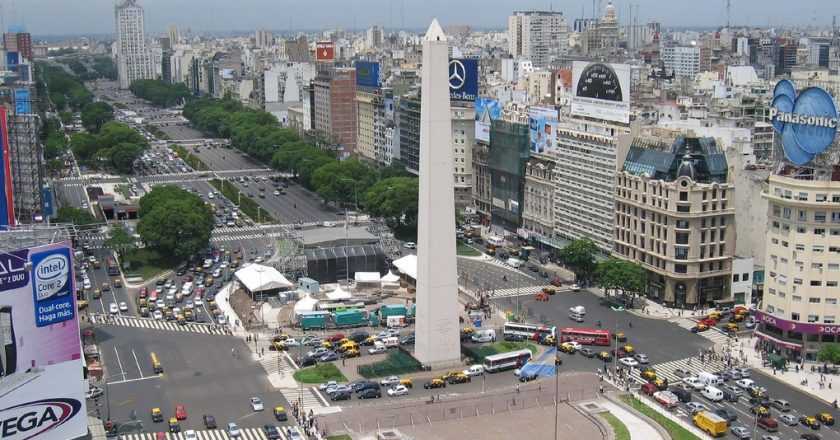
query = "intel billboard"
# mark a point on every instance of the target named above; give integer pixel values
(807, 122)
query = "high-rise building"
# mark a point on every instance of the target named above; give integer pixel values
(374, 37)
(335, 108)
(263, 38)
(20, 42)
(133, 55)
(601, 38)
(26, 161)
(674, 217)
(684, 61)
(463, 138)
(174, 35)
(537, 35)
(409, 127)
(370, 120)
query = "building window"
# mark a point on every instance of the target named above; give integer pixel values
(797, 281)
(820, 197)
(771, 309)
(828, 319)
(817, 266)
(813, 318)
(802, 216)
(819, 231)
(814, 300)
(735, 278)
(816, 283)
(819, 216)
(817, 249)
(793, 316)
(681, 253)
(746, 276)
(831, 301)
(796, 298)
(800, 247)
(683, 224)
(831, 284)
(803, 196)
(680, 268)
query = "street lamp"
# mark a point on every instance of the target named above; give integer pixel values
(556, 385)
(617, 310)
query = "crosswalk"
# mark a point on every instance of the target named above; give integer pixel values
(666, 369)
(212, 434)
(159, 325)
(237, 229)
(711, 334)
(281, 363)
(277, 362)
(523, 290)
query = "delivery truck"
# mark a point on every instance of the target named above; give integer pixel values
(349, 318)
(710, 423)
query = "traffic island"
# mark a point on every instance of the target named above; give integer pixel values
(319, 374)
(672, 427)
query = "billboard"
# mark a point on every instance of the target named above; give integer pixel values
(7, 206)
(601, 91)
(325, 51)
(543, 123)
(463, 79)
(486, 110)
(42, 387)
(367, 74)
(807, 122)
(12, 61)
(23, 101)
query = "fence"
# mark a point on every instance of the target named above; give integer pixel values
(412, 412)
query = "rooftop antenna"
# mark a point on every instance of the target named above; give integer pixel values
(833, 24)
(728, 13)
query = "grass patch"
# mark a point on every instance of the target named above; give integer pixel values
(676, 431)
(478, 353)
(396, 363)
(248, 206)
(340, 437)
(156, 131)
(191, 159)
(466, 250)
(619, 429)
(148, 263)
(319, 374)
(124, 190)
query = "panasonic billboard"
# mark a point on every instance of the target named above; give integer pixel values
(807, 122)
(41, 378)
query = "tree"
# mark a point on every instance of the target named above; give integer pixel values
(176, 227)
(95, 115)
(160, 194)
(829, 352)
(120, 241)
(395, 169)
(394, 199)
(580, 257)
(160, 93)
(123, 156)
(342, 182)
(81, 218)
(623, 275)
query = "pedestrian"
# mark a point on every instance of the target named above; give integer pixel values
(262, 351)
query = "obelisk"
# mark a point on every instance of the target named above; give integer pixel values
(436, 328)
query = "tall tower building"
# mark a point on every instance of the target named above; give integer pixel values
(335, 108)
(133, 55)
(374, 37)
(263, 38)
(536, 35)
(437, 325)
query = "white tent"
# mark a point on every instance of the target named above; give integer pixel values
(367, 277)
(407, 265)
(338, 294)
(305, 304)
(257, 278)
(390, 278)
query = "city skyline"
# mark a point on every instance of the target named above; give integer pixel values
(96, 16)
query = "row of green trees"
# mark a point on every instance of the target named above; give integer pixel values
(65, 90)
(174, 221)
(115, 146)
(54, 143)
(389, 193)
(623, 277)
(160, 93)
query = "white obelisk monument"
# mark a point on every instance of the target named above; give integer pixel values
(437, 329)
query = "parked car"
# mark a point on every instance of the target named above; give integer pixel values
(370, 393)
(399, 390)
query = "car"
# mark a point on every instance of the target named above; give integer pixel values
(695, 407)
(318, 352)
(744, 372)
(157, 314)
(390, 381)
(789, 419)
(733, 390)
(628, 362)
(326, 385)
(379, 349)
(106, 287)
(271, 432)
(233, 430)
(740, 432)
(435, 383)
(313, 342)
(123, 306)
(407, 339)
(94, 392)
(575, 288)
(290, 342)
(459, 378)
(113, 308)
(157, 415)
(369, 393)
(180, 412)
(293, 434)
(588, 352)
(338, 388)
(810, 422)
(745, 383)
(410, 245)
(329, 357)
(760, 410)
(209, 421)
(191, 435)
(557, 282)
(683, 372)
(770, 437)
(809, 436)
(528, 377)
(399, 390)
(174, 426)
(256, 404)
(826, 419)
(341, 395)
(641, 358)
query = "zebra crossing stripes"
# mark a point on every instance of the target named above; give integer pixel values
(210, 434)
(306, 397)
(234, 229)
(712, 334)
(232, 238)
(277, 363)
(158, 325)
(666, 369)
(522, 290)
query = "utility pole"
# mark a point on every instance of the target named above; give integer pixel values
(728, 13)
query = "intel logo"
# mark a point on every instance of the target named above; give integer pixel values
(807, 122)
(51, 275)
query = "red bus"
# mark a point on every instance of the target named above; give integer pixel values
(111, 264)
(585, 336)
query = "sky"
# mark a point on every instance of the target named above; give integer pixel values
(71, 17)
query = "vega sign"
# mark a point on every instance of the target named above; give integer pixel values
(807, 122)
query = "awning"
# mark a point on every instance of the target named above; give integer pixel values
(407, 265)
(257, 278)
(777, 342)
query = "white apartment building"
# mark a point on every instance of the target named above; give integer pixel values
(683, 60)
(133, 56)
(536, 35)
(463, 138)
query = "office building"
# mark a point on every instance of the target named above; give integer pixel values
(133, 55)
(537, 35)
(409, 128)
(673, 216)
(600, 39)
(263, 38)
(683, 61)
(374, 37)
(802, 266)
(335, 108)
(20, 42)
(370, 122)
(463, 139)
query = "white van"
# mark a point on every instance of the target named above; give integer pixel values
(393, 341)
(576, 317)
(580, 310)
(495, 241)
(475, 370)
(515, 262)
(712, 393)
(710, 379)
(484, 336)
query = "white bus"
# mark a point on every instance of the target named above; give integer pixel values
(506, 361)
(516, 331)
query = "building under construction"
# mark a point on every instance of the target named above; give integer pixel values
(26, 153)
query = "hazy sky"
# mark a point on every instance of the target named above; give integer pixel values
(57, 17)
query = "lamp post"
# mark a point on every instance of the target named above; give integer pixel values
(347, 227)
(617, 310)
(556, 385)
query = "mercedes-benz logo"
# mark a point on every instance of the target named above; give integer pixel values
(457, 74)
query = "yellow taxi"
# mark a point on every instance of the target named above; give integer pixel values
(549, 290)
(82, 304)
(826, 418)
(435, 383)
(732, 327)
(457, 378)
(567, 348)
(549, 340)
(810, 422)
(620, 336)
(648, 375)
(406, 382)
(117, 282)
(370, 340)
(351, 353)
(605, 356)
(278, 346)
(326, 344)
(142, 302)
(97, 293)
(343, 341)
(105, 286)
(715, 315)
(168, 314)
(349, 345)
(490, 250)
(760, 411)
(448, 375)
(660, 383)
(468, 330)
(280, 414)
(738, 317)
(157, 415)
(283, 336)
(144, 312)
(629, 349)
(208, 281)
(181, 320)
(173, 425)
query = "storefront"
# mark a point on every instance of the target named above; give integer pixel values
(793, 339)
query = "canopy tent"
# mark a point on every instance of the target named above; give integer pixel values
(338, 294)
(390, 277)
(367, 277)
(258, 278)
(407, 265)
(305, 304)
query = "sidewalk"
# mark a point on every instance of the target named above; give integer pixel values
(639, 428)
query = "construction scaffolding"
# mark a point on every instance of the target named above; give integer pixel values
(27, 164)
(289, 258)
(390, 245)
(26, 236)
